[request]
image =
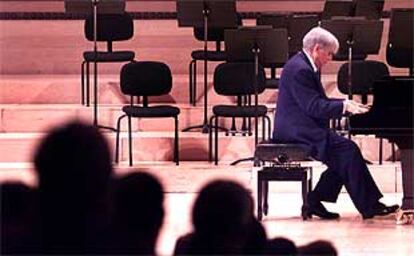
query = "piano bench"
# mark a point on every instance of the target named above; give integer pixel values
(282, 173)
(281, 156)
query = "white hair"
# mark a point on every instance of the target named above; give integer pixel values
(322, 37)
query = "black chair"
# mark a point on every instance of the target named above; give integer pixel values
(277, 21)
(218, 55)
(370, 9)
(400, 47)
(146, 78)
(237, 79)
(364, 75)
(110, 28)
(297, 25)
(284, 166)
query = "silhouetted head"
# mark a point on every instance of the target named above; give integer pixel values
(319, 247)
(281, 246)
(18, 213)
(73, 165)
(74, 169)
(139, 213)
(222, 206)
(139, 202)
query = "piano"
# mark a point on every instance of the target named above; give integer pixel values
(391, 117)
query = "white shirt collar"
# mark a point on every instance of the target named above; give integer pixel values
(310, 60)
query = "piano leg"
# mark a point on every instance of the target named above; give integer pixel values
(407, 178)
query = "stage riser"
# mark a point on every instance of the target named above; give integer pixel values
(39, 118)
(66, 89)
(158, 146)
(57, 46)
(189, 177)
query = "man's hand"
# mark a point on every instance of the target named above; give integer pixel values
(355, 108)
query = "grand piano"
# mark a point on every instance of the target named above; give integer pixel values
(391, 117)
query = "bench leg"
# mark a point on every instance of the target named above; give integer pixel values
(259, 197)
(305, 195)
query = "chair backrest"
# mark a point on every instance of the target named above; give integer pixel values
(400, 46)
(110, 27)
(299, 25)
(238, 79)
(370, 9)
(275, 19)
(333, 8)
(146, 78)
(364, 74)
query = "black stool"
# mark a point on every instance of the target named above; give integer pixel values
(283, 168)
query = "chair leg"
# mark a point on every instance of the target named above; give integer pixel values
(305, 191)
(176, 148)
(265, 197)
(83, 82)
(130, 140)
(393, 152)
(269, 127)
(263, 128)
(190, 82)
(118, 130)
(380, 151)
(210, 140)
(195, 83)
(216, 140)
(87, 84)
(259, 197)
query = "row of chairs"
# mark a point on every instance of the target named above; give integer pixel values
(120, 27)
(149, 78)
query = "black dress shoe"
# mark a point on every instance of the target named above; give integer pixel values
(317, 209)
(380, 209)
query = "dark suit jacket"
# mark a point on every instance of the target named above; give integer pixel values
(303, 109)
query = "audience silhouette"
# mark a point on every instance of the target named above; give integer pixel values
(139, 214)
(319, 247)
(281, 246)
(18, 210)
(74, 170)
(222, 219)
(78, 208)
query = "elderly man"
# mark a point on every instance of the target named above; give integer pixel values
(302, 116)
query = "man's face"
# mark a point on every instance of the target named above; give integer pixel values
(322, 55)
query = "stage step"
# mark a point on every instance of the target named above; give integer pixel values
(39, 117)
(190, 176)
(66, 89)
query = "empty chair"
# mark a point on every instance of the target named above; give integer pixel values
(146, 78)
(237, 79)
(110, 28)
(278, 21)
(400, 47)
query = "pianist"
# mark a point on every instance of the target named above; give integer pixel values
(302, 116)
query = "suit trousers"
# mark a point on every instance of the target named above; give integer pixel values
(347, 167)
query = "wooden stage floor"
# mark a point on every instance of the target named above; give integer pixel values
(351, 235)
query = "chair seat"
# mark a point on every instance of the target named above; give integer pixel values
(272, 83)
(282, 152)
(211, 55)
(155, 111)
(237, 111)
(117, 56)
